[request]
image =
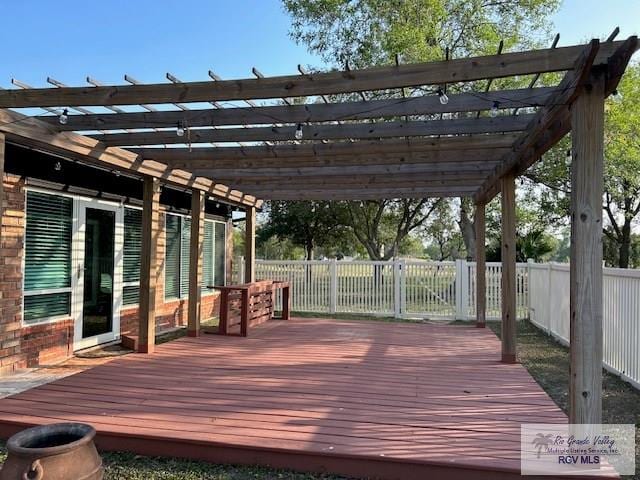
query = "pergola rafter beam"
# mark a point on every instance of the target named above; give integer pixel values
(381, 78)
(368, 194)
(258, 187)
(459, 126)
(473, 166)
(428, 157)
(308, 113)
(437, 178)
(321, 150)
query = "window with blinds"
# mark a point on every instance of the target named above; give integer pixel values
(219, 253)
(184, 257)
(47, 264)
(178, 235)
(131, 256)
(172, 256)
(207, 255)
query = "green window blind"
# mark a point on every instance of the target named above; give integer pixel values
(219, 251)
(172, 257)
(178, 235)
(131, 255)
(184, 257)
(130, 295)
(48, 242)
(46, 305)
(47, 255)
(207, 254)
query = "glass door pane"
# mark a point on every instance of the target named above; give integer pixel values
(99, 245)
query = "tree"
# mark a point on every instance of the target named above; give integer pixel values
(621, 202)
(383, 226)
(445, 242)
(307, 224)
(622, 167)
(375, 32)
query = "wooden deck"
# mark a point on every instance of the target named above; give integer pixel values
(387, 400)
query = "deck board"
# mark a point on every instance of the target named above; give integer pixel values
(361, 398)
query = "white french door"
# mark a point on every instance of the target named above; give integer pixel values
(97, 265)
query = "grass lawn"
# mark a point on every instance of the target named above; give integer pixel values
(546, 360)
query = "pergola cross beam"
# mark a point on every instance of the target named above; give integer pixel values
(459, 126)
(380, 78)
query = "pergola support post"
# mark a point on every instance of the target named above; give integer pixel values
(196, 246)
(481, 266)
(508, 268)
(587, 123)
(250, 246)
(149, 264)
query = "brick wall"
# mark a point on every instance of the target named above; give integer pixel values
(11, 274)
(169, 314)
(47, 343)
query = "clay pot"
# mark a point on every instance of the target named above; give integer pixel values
(61, 451)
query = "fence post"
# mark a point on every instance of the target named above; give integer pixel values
(530, 261)
(397, 301)
(462, 290)
(333, 291)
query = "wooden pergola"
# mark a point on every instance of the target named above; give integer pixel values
(412, 140)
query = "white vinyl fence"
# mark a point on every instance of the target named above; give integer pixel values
(400, 288)
(549, 310)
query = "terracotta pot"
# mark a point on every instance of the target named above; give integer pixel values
(61, 451)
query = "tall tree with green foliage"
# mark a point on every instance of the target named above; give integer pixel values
(366, 33)
(373, 32)
(383, 227)
(621, 202)
(306, 224)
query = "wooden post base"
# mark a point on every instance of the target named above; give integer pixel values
(193, 333)
(147, 348)
(508, 358)
(481, 325)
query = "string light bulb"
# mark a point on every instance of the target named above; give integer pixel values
(494, 109)
(58, 166)
(180, 130)
(444, 99)
(568, 154)
(64, 117)
(299, 133)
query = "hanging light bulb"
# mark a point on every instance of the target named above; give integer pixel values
(57, 167)
(299, 132)
(443, 97)
(494, 109)
(180, 130)
(568, 154)
(64, 117)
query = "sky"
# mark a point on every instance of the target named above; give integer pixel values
(70, 39)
